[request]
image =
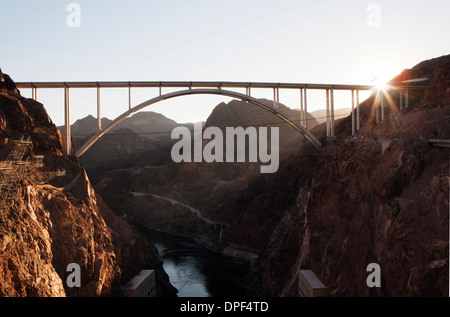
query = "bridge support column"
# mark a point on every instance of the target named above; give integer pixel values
(377, 108)
(327, 112)
(407, 99)
(400, 100)
(276, 97)
(68, 145)
(382, 106)
(129, 96)
(302, 114)
(306, 108)
(353, 113)
(34, 93)
(358, 115)
(99, 118)
(332, 132)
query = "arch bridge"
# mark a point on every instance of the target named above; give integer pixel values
(214, 88)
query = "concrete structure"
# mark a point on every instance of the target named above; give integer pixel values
(187, 88)
(309, 285)
(142, 285)
(440, 143)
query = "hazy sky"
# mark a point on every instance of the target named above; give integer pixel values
(327, 41)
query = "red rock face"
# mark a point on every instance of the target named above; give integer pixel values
(419, 271)
(359, 208)
(47, 225)
(54, 230)
(355, 218)
(6, 83)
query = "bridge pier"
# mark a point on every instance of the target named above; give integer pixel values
(327, 112)
(302, 114)
(99, 119)
(333, 133)
(358, 115)
(353, 113)
(276, 97)
(400, 97)
(407, 98)
(68, 145)
(382, 106)
(34, 93)
(330, 113)
(129, 96)
(377, 108)
(306, 108)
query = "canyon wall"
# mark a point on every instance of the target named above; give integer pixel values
(50, 215)
(381, 197)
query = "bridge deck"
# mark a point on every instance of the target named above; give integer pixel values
(188, 84)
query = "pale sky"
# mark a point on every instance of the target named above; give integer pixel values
(301, 41)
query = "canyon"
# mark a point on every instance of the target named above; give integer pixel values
(380, 196)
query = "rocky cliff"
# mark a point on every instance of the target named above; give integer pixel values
(50, 216)
(140, 140)
(381, 197)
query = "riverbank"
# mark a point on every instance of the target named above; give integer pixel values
(198, 271)
(236, 252)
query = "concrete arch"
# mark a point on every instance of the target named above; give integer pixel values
(187, 92)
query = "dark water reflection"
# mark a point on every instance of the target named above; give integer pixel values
(198, 272)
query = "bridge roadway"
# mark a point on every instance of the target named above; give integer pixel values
(217, 87)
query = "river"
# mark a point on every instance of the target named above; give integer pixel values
(197, 271)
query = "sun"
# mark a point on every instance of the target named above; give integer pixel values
(380, 83)
(380, 77)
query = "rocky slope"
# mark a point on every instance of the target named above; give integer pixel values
(339, 113)
(381, 197)
(50, 216)
(239, 113)
(140, 140)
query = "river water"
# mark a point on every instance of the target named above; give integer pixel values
(197, 271)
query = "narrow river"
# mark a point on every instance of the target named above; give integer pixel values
(197, 271)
